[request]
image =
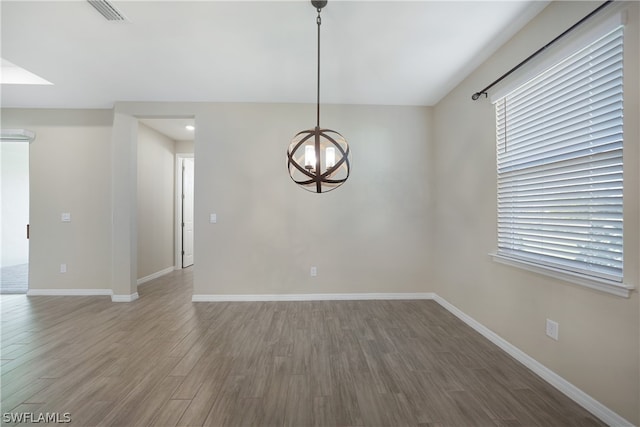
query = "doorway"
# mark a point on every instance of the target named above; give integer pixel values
(14, 263)
(163, 145)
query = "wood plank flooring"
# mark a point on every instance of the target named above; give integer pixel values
(165, 361)
(14, 279)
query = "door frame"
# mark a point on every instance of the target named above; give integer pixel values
(178, 208)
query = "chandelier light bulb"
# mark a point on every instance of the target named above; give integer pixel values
(309, 157)
(330, 157)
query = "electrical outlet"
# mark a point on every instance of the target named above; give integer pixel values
(63, 268)
(552, 329)
(314, 271)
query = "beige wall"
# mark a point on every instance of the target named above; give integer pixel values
(598, 350)
(184, 147)
(371, 235)
(156, 181)
(69, 172)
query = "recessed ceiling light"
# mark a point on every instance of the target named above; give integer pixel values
(190, 127)
(14, 75)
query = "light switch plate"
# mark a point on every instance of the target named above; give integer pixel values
(213, 218)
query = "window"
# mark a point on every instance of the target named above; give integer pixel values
(559, 159)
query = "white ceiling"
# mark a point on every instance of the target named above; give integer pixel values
(373, 52)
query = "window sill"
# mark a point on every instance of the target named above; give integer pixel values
(608, 286)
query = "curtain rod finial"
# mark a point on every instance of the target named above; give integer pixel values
(477, 95)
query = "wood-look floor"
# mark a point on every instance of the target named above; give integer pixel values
(165, 361)
(14, 279)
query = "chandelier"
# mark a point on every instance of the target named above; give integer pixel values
(318, 159)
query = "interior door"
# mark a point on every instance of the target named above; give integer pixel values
(187, 212)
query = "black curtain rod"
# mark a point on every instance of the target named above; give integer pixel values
(477, 95)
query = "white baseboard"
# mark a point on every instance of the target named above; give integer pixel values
(124, 298)
(310, 297)
(156, 275)
(68, 292)
(82, 292)
(580, 397)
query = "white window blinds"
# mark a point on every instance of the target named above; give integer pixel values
(559, 153)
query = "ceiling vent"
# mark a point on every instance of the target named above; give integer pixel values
(107, 10)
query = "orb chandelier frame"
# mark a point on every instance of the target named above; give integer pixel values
(319, 160)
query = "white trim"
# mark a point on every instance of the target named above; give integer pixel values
(155, 275)
(83, 292)
(124, 298)
(311, 297)
(17, 135)
(608, 286)
(580, 397)
(68, 292)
